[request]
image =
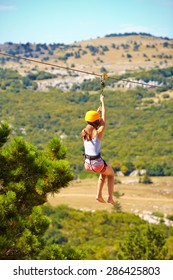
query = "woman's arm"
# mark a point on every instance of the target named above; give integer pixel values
(102, 109)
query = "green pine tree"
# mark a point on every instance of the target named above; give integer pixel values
(26, 177)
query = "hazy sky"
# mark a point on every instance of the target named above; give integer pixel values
(66, 21)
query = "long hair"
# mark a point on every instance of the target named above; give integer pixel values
(87, 132)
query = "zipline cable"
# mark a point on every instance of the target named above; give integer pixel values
(103, 76)
(50, 64)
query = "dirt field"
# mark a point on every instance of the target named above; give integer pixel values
(137, 198)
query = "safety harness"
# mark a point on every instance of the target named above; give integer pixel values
(92, 157)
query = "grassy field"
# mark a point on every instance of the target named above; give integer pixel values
(137, 198)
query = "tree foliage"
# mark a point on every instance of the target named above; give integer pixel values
(138, 134)
(146, 244)
(26, 176)
(109, 236)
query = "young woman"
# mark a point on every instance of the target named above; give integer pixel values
(92, 135)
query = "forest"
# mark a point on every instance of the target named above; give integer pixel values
(139, 121)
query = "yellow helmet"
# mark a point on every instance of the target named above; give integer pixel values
(92, 116)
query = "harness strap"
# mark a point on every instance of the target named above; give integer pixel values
(92, 157)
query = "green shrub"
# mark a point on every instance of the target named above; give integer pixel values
(170, 217)
(158, 214)
(145, 179)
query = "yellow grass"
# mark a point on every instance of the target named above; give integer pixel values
(115, 60)
(156, 197)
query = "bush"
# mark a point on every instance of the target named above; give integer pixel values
(145, 179)
(117, 207)
(158, 214)
(166, 96)
(170, 217)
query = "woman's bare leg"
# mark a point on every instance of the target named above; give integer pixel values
(110, 174)
(110, 189)
(101, 181)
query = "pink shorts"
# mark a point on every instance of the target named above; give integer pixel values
(98, 165)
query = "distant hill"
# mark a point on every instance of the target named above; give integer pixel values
(135, 33)
(114, 53)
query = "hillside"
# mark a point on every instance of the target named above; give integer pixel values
(114, 54)
(139, 129)
(138, 134)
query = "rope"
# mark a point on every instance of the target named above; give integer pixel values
(103, 76)
(50, 64)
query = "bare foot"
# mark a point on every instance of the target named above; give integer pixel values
(100, 199)
(110, 200)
